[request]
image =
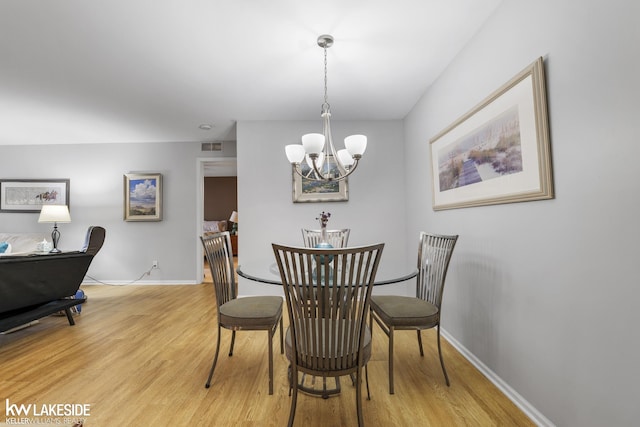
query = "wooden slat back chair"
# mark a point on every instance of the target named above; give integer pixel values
(327, 293)
(337, 238)
(236, 314)
(393, 312)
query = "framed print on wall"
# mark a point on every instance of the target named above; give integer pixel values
(308, 190)
(143, 197)
(498, 152)
(28, 195)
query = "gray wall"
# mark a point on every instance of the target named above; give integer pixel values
(545, 294)
(96, 174)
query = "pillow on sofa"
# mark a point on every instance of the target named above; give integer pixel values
(214, 226)
(5, 248)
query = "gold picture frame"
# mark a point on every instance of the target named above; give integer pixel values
(143, 197)
(499, 152)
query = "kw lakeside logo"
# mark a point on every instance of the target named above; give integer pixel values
(55, 413)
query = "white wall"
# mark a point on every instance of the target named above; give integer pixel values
(96, 173)
(375, 210)
(545, 293)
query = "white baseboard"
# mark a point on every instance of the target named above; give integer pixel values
(526, 407)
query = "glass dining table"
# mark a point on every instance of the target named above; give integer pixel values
(268, 273)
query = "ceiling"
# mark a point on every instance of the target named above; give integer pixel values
(78, 71)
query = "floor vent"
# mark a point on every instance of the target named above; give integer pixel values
(212, 146)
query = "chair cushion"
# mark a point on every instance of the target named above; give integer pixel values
(260, 311)
(395, 310)
(366, 345)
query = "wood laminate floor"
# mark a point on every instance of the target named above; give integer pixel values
(140, 355)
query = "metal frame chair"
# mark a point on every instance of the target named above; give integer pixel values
(337, 238)
(237, 314)
(328, 293)
(423, 311)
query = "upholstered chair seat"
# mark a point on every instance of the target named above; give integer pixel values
(395, 310)
(251, 311)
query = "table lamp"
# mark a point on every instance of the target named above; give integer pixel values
(234, 220)
(55, 214)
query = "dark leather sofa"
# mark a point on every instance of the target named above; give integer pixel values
(35, 286)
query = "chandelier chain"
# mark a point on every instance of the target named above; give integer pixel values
(326, 99)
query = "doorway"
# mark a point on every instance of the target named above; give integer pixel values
(209, 167)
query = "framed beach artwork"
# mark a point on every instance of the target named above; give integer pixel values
(143, 197)
(499, 152)
(29, 195)
(308, 190)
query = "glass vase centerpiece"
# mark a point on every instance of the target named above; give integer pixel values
(324, 243)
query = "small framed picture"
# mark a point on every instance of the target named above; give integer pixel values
(29, 195)
(143, 197)
(309, 191)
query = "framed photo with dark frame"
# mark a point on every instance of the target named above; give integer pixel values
(309, 191)
(499, 152)
(29, 195)
(143, 197)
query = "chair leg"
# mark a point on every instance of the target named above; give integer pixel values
(366, 378)
(215, 360)
(294, 399)
(271, 331)
(281, 337)
(391, 391)
(420, 343)
(444, 371)
(233, 340)
(359, 397)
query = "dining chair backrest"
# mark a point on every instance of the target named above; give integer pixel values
(217, 247)
(337, 238)
(327, 294)
(434, 255)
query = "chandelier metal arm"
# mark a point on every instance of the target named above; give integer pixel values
(318, 176)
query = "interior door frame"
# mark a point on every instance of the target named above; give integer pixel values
(201, 162)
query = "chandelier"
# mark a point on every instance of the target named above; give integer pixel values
(325, 163)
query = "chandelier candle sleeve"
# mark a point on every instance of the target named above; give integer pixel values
(325, 163)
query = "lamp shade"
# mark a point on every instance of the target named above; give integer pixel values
(54, 213)
(295, 153)
(234, 216)
(356, 144)
(313, 143)
(345, 158)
